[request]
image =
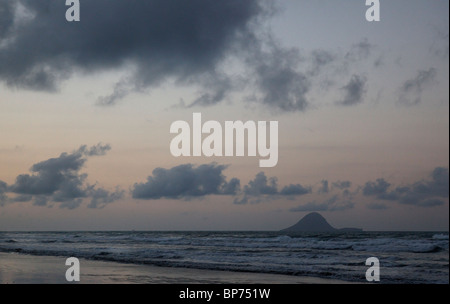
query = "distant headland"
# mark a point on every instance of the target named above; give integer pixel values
(314, 222)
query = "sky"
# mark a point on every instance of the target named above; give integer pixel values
(86, 109)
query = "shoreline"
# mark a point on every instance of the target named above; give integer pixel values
(17, 268)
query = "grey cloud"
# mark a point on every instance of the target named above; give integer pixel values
(425, 193)
(97, 150)
(102, 197)
(183, 182)
(282, 86)
(354, 91)
(342, 184)
(40, 201)
(120, 91)
(261, 185)
(22, 198)
(6, 17)
(241, 201)
(3, 188)
(71, 204)
(377, 188)
(332, 204)
(360, 51)
(431, 202)
(155, 41)
(296, 189)
(189, 181)
(324, 188)
(232, 187)
(411, 90)
(51, 175)
(160, 39)
(320, 59)
(216, 89)
(59, 180)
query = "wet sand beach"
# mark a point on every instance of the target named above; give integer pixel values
(18, 268)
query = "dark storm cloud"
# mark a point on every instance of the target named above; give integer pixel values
(354, 91)
(411, 90)
(425, 193)
(6, 17)
(159, 39)
(332, 204)
(185, 181)
(58, 180)
(186, 42)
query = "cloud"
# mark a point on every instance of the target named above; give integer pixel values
(319, 60)
(3, 187)
(411, 90)
(360, 51)
(6, 17)
(354, 91)
(262, 188)
(59, 180)
(324, 188)
(296, 189)
(156, 40)
(281, 84)
(102, 197)
(378, 188)
(331, 204)
(97, 150)
(185, 181)
(424, 193)
(342, 184)
(188, 181)
(261, 185)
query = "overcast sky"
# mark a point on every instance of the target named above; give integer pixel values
(86, 109)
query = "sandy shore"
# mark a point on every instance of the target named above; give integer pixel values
(28, 269)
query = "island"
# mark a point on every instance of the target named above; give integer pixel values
(315, 222)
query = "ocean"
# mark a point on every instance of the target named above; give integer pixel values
(405, 257)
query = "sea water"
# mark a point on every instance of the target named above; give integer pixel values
(405, 257)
